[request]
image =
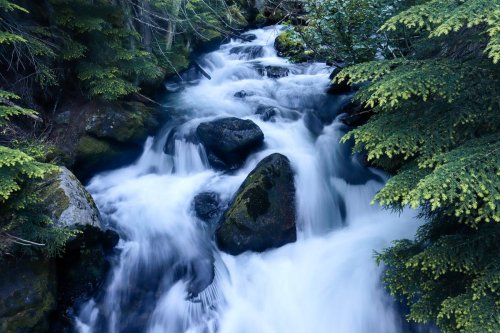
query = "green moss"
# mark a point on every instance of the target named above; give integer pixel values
(27, 296)
(53, 196)
(236, 17)
(260, 20)
(290, 45)
(89, 147)
(257, 202)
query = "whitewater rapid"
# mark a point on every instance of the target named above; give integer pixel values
(325, 282)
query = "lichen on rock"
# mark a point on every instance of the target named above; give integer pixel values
(68, 202)
(262, 214)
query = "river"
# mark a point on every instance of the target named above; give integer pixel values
(327, 281)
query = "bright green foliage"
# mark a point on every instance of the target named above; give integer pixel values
(437, 128)
(8, 109)
(453, 278)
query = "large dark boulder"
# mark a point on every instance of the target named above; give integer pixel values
(229, 141)
(40, 294)
(289, 44)
(262, 214)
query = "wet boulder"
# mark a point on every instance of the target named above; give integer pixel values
(228, 141)
(273, 72)
(247, 37)
(262, 214)
(243, 94)
(313, 123)
(249, 51)
(207, 206)
(81, 271)
(67, 201)
(267, 113)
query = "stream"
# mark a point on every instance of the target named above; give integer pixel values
(169, 276)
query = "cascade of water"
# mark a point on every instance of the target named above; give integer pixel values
(327, 281)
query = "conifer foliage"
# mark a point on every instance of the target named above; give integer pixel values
(102, 49)
(436, 127)
(22, 221)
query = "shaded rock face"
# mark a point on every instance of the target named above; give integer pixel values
(356, 114)
(80, 272)
(228, 141)
(39, 295)
(338, 88)
(68, 202)
(27, 295)
(95, 136)
(262, 214)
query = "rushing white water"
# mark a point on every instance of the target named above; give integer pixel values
(327, 281)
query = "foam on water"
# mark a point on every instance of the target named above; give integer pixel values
(327, 281)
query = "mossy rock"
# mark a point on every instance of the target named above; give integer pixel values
(27, 295)
(67, 201)
(290, 45)
(262, 214)
(94, 155)
(121, 123)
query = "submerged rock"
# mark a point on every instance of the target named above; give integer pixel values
(207, 206)
(313, 123)
(267, 113)
(273, 72)
(262, 214)
(250, 51)
(229, 141)
(243, 94)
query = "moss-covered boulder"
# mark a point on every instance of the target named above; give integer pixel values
(97, 135)
(262, 214)
(289, 44)
(94, 155)
(228, 141)
(67, 202)
(27, 295)
(129, 122)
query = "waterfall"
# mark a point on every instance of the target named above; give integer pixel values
(168, 275)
